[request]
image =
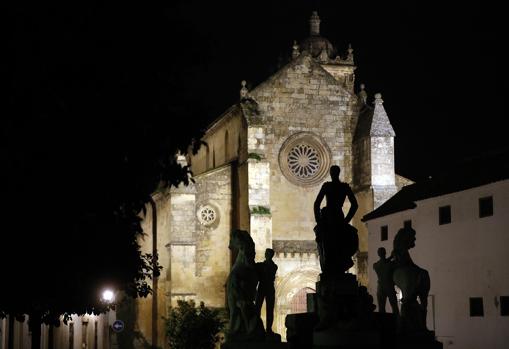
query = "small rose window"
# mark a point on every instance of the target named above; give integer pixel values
(207, 215)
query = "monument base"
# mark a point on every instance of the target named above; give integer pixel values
(425, 340)
(299, 329)
(338, 339)
(272, 341)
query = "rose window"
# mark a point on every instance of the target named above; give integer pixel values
(207, 215)
(303, 161)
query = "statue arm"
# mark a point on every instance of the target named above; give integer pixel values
(353, 205)
(318, 201)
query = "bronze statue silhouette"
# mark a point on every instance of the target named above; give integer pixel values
(337, 240)
(413, 281)
(385, 286)
(245, 324)
(266, 275)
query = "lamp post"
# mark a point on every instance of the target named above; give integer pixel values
(108, 297)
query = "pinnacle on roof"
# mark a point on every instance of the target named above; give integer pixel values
(380, 125)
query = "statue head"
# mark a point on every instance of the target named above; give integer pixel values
(269, 253)
(335, 170)
(381, 252)
(242, 241)
(404, 239)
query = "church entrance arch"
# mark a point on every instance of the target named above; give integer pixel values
(291, 292)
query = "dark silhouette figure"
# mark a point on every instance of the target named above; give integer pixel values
(412, 280)
(337, 240)
(266, 271)
(385, 287)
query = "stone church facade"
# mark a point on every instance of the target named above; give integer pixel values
(263, 164)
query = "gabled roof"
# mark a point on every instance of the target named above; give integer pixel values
(472, 173)
(303, 60)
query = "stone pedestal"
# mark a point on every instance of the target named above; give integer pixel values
(343, 304)
(272, 341)
(423, 340)
(342, 316)
(299, 329)
(341, 339)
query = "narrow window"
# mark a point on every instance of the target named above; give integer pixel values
(486, 206)
(504, 305)
(71, 335)
(207, 157)
(407, 224)
(226, 147)
(444, 215)
(476, 306)
(384, 233)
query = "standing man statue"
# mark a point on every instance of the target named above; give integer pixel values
(266, 275)
(337, 239)
(385, 286)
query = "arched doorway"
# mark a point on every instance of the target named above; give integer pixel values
(298, 304)
(291, 292)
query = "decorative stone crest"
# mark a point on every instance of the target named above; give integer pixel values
(295, 49)
(243, 91)
(207, 215)
(304, 159)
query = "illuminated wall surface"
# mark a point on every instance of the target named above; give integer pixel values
(466, 257)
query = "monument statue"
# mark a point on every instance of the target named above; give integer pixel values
(245, 323)
(385, 286)
(266, 275)
(337, 240)
(341, 303)
(413, 281)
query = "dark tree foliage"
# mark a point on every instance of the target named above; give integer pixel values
(192, 327)
(97, 104)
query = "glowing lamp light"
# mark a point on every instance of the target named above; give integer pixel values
(108, 296)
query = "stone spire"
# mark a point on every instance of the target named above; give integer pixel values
(243, 91)
(296, 50)
(314, 24)
(380, 125)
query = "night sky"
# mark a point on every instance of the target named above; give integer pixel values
(438, 67)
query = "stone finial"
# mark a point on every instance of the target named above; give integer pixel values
(363, 95)
(324, 56)
(378, 99)
(314, 24)
(243, 91)
(349, 57)
(296, 50)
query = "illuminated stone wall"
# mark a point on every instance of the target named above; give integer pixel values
(303, 98)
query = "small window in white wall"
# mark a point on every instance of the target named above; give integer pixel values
(504, 305)
(476, 306)
(384, 233)
(407, 224)
(444, 215)
(486, 206)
